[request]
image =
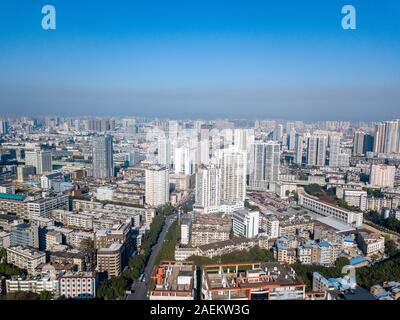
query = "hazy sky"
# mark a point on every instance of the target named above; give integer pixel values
(201, 58)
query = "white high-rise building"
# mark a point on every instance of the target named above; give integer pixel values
(40, 159)
(240, 139)
(298, 150)
(265, 161)
(387, 137)
(334, 151)
(312, 150)
(316, 150)
(204, 151)
(292, 139)
(391, 136)
(173, 129)
(233, 178)
(227, 137)
(321, 155)
(164, 152)
(134, 157)
(186, 227)
(344, 160)
(208, 188)
(272, 226)
(245, 223)
(382, 175)
(278, 133)
(379, 139)
(157, 186)
(182, 161)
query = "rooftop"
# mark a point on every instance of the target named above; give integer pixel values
(249, 275)
(176, 277)
(9, 196)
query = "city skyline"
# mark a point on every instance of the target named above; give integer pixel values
(199, 150)
(204, 59)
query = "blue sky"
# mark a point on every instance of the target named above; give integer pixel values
(200, 58)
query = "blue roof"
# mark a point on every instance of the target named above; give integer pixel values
(348, 239)
(382, 294)
(357, 260)
(324, 244)
(9, 196)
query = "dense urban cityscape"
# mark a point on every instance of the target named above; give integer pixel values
(134, 208)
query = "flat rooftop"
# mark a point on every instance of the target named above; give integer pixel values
(9, 196)
(335, 224)
(176, 277)
(249, 275)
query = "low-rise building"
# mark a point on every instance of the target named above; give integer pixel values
(4, 239)
(295, 225)
(173, 280)
(73, 220)
(352, 218)
(370, 243)
(251, 281)
(33, 284)
(210, 228)
(78, 285)
(25, 258)
(223, 247)
(183, 253)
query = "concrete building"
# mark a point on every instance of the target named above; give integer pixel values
(251, 281)
(245, 223)
(173, 280)
(105, 193)
(186, 231)
(25, 235)
(109, 260)
(272, 226)
(233, 179)
(24, 172)
(33, 284)
(298, 150)
(78, 285)
(356, 198)
(40, 159)
(316, 150)
(15, 204)
(42, 207)
(210, 228)
(157, 186)
(3, 127)
(208, 189)
(265, 163)
(334, 151)
(25, 258)
(103, 165)
(164, 152)
(370, 243)
(382, 175)
(71, 219)
(4, 239)
(352, 218)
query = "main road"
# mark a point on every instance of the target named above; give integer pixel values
(139, 288)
